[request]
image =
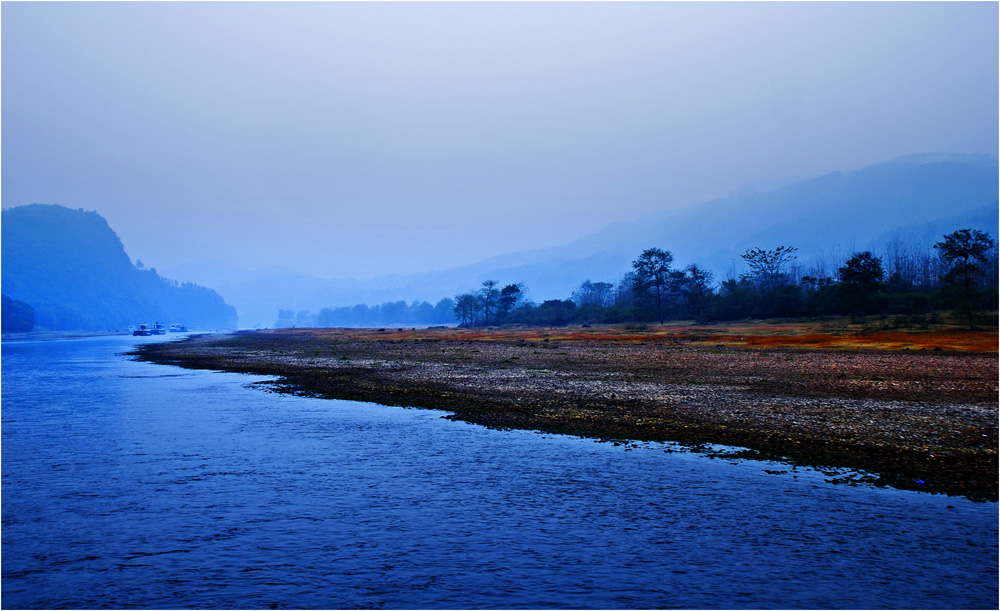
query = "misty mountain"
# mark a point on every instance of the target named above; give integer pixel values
(914, 198)
(71, 268)
(837, 212)
(17, 316)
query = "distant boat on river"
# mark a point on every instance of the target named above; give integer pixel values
(158, 329)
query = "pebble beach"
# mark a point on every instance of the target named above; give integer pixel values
(912, 419)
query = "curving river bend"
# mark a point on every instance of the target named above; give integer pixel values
(136, 485)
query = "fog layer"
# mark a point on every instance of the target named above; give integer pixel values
(354, 140)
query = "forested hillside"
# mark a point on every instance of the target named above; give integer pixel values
(70, 267)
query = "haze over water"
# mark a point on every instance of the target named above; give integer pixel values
(145, 486)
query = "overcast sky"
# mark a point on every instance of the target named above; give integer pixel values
(360, 139)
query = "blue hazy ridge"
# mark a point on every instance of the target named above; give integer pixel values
(72, 269)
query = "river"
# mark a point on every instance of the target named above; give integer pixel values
(136, 485)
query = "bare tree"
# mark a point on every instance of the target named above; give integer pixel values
(466, 308)
(488, 296)
(697, 287)
(594, 293)
(768, 268)
(623, 292)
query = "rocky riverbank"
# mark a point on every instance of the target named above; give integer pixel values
(914, 419)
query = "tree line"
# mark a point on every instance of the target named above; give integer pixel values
(906, 279)
(362, 315)
(959, 273)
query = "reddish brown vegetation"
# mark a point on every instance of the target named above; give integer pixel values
(808, 334)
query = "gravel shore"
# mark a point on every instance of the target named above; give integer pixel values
(921, 420)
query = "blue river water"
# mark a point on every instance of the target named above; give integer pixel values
(133, 485)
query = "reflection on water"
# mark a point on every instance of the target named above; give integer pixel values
(136, 485)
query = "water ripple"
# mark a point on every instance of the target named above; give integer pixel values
(134, 485)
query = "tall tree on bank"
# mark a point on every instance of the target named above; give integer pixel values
(965, 252)
(697, 288)
(861, 276)
(510, 298)
(767, 267)
(488, 299)
(466, 308)
(652, 279)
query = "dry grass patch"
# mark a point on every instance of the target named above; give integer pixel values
(832, 334)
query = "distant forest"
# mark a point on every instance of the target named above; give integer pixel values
(361, 315)
(907, 280)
